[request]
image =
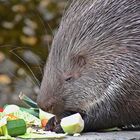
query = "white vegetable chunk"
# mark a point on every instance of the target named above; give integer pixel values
(72, 124)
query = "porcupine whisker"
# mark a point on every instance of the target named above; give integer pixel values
(12, 51)
(9, 45)
(36, 12)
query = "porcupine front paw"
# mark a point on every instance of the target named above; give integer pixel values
(54, 125)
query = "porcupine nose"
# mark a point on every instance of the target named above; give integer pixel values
(50, 104)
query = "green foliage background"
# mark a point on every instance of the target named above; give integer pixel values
(27, 28)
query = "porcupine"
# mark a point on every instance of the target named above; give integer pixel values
(94, 65)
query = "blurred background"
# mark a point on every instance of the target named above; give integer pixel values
(27, 28)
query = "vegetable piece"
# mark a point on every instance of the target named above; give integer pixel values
(29, 118)
(11, 117)
(2, 114)
(44, 115)
(11, 108)
(111, 129)
(40, 136)
(4, 130)
(3, 121)
(44, 122)
(33, 111)
(1, 109)
(16, 127)
(7, 137)
(29, 102)
(72, 124)
(76, 135)
(12, 127)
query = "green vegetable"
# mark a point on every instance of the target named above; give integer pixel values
(29, 118)
(111, 129)
(29, 102)
(72, 124)
(7, 137)
(12, 127)
(8, 109)
(33, 111)
(4, 130)
(41, 136)
(16, 127)
(2, 115)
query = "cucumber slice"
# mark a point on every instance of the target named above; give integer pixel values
(16, 127)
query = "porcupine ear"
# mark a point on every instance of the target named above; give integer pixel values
(80, 60)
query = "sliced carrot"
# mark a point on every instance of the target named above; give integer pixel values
(11, 117)
(44, 122)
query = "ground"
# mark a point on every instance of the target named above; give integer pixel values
(121, 135)
(109, 136)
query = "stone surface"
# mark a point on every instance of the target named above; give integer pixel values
(123, 135)
(120, 135)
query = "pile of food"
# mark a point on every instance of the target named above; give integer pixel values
(30, 122)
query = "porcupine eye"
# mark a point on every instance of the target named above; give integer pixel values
(69, 78)
(78, 63)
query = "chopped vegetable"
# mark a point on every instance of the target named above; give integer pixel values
(2, 114)
(3, 121)
(33, 111)
(4, 130)
(11, 108)
(42, 136)
(72, 124)
(44, 122)
(12, 127)
(76, 135)
(29, 102)
(1, 109)
(16, 127)
(111, 129)
(7, 137)
(29, 118)
(11, 117)
(45, 115)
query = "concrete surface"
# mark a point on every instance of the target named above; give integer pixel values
(122, 135)
(118, 135)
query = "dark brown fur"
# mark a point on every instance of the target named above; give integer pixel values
(94, 64)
